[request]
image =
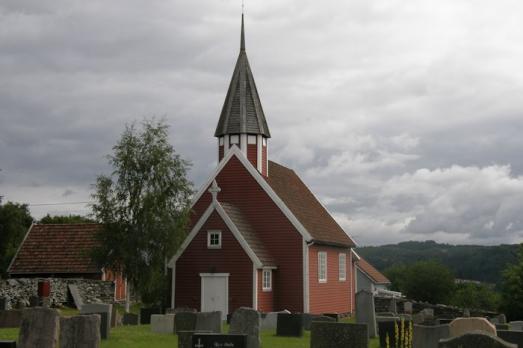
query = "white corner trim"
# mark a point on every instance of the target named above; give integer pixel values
(19, 248)
(305, 277)
(235, 151)
(259, 152)
(358, 257)
(254, 287)
(243, 143)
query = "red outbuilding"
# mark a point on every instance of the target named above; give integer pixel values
(258, 237)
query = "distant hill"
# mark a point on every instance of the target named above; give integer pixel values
(474, 262)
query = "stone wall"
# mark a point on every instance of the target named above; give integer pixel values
(92, 291)
(382, 304)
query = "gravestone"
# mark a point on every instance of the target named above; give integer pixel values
(116, 318)
(475, 340)
(502, 327)
(162, 323)
(429, 336)
(3, 304)
(130, 319)
(309, 318)
(289, 325)
(247, 321)
(212, 340)
(270, 320)
(209, 321)
(466, 313)
(461, 326)
(428, 312)
(515, 337)
(185, 321)
(75, 294)
(11, 318)
(332, 315)
(145, 314)
(442, 321)
(104, 310)
(7, 344)
(34, 301)
(502, 319)
(328, 335)
(80, 331)
(407, 307)
(39, 328)
(365, 313)
(185, 338)
(516, 325)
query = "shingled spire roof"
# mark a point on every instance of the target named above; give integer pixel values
(242, 111)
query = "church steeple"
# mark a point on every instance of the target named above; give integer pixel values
(242, 121)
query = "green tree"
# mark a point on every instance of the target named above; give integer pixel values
(15, 220)
(65, 219)
(397, 275)
(512, 288)
(143, 206)
(474, 295)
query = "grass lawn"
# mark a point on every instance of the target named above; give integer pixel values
(141, 337)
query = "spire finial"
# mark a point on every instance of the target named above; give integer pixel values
(242, 43)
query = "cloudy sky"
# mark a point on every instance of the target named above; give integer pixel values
(404, 117)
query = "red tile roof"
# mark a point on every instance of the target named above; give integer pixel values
(306, 207)
(57, 248)
(372, 272)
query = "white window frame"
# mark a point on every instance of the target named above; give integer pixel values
(265, 286)
(322, 263)
(342, 267)
(214, 246)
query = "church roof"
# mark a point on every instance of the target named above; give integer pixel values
(57, 248)
(376, 276)
(306, 207)
(242, 111)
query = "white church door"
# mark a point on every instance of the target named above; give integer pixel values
(215, 293)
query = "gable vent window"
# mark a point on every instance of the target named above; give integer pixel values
(322, 267)
(342, 267)
(267, 280)
(235, 139)
(214, 239)
(251, 139)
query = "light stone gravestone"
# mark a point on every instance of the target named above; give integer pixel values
(516, 325)
(365, 313)
(309, 318)
(429, 336)
(515, 337)
(209, 321)
(461, 326)
(329, 335)
(185, 321)
(270, 320)
(407, 307)
(477, 339)
(162, 323)
(82, 331)
(75, 294)
(105, 311)
(247, 321)
(39, 328)
(428, 312)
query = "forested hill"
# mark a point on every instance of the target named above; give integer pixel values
(483, 263)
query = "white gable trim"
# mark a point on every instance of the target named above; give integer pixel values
(235, 151)
(215, 205)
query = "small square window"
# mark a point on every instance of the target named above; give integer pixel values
(322, 267)
(251, 139)
(214, 239)
(234, 139)
(267, 280)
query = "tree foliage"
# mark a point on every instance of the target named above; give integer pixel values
(512, 289)
(143, 206)
(15, 220)
(475, 296)
(427, 281)
(65, 219)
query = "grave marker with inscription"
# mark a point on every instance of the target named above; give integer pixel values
(218, 341)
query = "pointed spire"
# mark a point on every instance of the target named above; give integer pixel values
(242, 41)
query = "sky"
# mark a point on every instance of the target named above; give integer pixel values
(405, 118)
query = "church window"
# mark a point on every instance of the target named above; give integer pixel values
(251, 139)
(267, 280)
(235, 139)
(214, 239)
(322, 267)
(342, 267)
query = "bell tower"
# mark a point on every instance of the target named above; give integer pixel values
(242, 121)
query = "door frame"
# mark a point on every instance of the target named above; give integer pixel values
(202, 292)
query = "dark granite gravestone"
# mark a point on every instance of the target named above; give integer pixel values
(387, 327)
(185, 338)
(309, 318)
(39, 328)
(218, 341)
(11, 318)
(475, 340)
(185, 321)
(7, 344)
(333, 315)
(145, 314)
(209, 321)
(328, 335)
(515, 337)
(247, 321)
(365, 312)
(3, 304)
(34, 301)
(130, 319)
(105, 311)
(289, 325)
(429, 336)
(80, 331)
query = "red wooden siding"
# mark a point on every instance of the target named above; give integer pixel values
(119, 285)
(334, 296)
(265, 298)
(264, 160)
(197, 258)
(252, 154)
(273, 229)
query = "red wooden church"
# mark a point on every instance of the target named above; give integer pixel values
(258, 236)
